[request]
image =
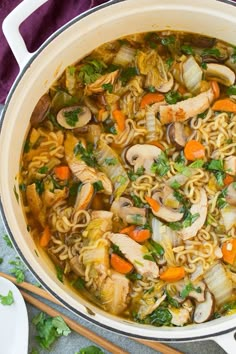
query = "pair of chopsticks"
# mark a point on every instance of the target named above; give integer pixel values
(74, 325)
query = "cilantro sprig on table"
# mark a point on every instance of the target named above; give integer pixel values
(7, 299)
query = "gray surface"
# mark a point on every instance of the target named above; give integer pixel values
(72, 343)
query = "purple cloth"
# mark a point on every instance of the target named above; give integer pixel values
(35, 30)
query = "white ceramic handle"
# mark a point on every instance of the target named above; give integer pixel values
(11, 31)
(227, 342)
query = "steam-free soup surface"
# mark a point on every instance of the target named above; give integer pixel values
(128, 177)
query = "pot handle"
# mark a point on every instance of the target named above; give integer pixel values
(227, 342)
(11, 31)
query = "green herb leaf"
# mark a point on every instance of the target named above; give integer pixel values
(211, 51)
(116, 250)
(175, 185)
(91, 71)
(92, 349)
(221, 202)
(217, 167)
(39, 186)
(160, 317)
(8, 299)
(203, 114)
(74, 189)
(22, 187)
(151, 89)
(231, 90)
(156, 248)
(86, 154)
(137, 201)
(187, 49)
(60, 273)
(72, 116)
(127, 74)
(79, 284)
(134, 175)
(190, 219)
(18, 270)
(49, 329)
(43, 170)
(197, 164)
(8, 241)
(168, 40)
(110, 161)
(1, 260)
(161, 165)
(169, 62)
(98, 186)
(108, 87)
(134, 276)
(173, 97)
(204, 65)
(172, 301)
(187, 290)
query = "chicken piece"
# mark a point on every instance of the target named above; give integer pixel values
(98, 85)
(134, 252)
(186, 109)
(198, 208)
(230, 165)
(179, 316)
(51, 198)
(114, 293)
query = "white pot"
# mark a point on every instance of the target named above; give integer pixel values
(38, 72)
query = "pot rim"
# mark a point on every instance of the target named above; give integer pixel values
(189, 337)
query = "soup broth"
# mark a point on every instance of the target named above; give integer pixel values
(128, 177)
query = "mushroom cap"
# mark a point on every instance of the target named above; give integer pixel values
(204, 310)
(176, 135)
(74, 117)
(166, 213)
(142, 156)
(40, 110)
(220, 73)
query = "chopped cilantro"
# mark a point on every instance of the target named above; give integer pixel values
(204, 65)
(187, 49)
(108, 87)
(8, 241)
(71, 70)
(98, 186)
(49, 329)
(173, 97)
(169, 62)
(27, 146)
(161, 165)
(221, 202)
(203, 114)
(121, 180)
(151, 89)
(160, 317)
(137, 201)
(116, 250)
(211, 51)
(72, 116)
(168, 40)
(74, 189)
(233, 56)
(110, 161)
(134, 276)
(127, 74)
(39, 186)
(175, 185)
(190, 219)
(155, 248)
(217, 167)
(43, 170)
(197, 164)
(231, 90)
(187, 290)
(22, 187)
(91, 71)
(92, 349)
(172, 301)
(79, 283)
(134, 175)
(86, 154)
(113, 130)
(7, 299)
(18, 270)
(60, 273)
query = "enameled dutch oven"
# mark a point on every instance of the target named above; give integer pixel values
(38, 71)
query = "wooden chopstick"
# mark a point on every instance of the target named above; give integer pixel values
(75, 326)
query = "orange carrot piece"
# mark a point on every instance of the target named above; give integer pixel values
(156, 143)
(228, 179)
(216, 89)
(151, 98)
(225, 105)
(62, 172)
(229, 251)
(45, 238)
(120, 265)
(173, 274)
(140, 235)
(128, 230)
(153, 203)
(119, 118)
(194, 150)
(100, 114)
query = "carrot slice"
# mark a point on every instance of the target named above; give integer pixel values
(151, 98)
(156, 143)
(119, 118)
(128, 230)
(140, 235)
(45, 238)
(120, 265)
(225, 105)
(153, 203)
(173, 274)
(228, 179)
(216, 89)
(62, 172)
(229, 251)
(194, 150)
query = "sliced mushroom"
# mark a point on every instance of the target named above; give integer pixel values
(123, 207)
(40, 110)
(98, 85)
(142, 156)
(84, 197)
(166, 213)
(231, 194)
(198, 296)
(176, 135)
(198, 208)
(220, 73)
(134, 252)
(74, 117)
(204, 310)
(230, 165)
(186, 109)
